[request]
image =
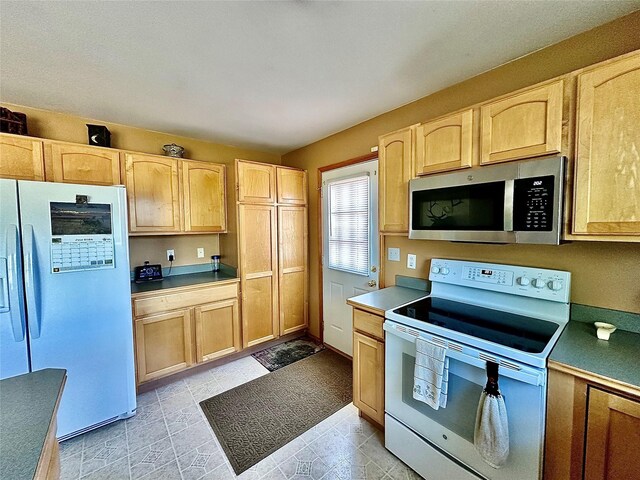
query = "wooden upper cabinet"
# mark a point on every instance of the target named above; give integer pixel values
(395, 155)
(153, 193)
(203, 187)
(607, 178)
(291, 186)
(83, 164)
(293, 268)
(256, 182)
(257, 237)
(445, 144)
(523, 125)
(613, 437)
(21, 158)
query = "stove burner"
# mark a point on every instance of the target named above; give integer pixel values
(515, 331)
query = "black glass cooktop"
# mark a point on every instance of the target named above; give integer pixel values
(516, 331)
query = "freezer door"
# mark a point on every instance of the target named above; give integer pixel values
(77, 285)
(14, 355)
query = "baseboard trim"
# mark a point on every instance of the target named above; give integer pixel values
(160, 382)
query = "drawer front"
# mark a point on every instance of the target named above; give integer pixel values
(185, 299)
(368, 323)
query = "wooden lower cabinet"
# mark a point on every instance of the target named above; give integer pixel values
(163, 344)
(368, 370)
(593, 427)
(217, 330)
(613, 437)
(202, 324)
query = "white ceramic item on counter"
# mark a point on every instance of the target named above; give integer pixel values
(604, 330)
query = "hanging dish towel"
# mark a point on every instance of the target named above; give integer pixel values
(431, 374)
(491, 435)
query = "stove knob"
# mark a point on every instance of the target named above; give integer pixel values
(555, 285)
(435, 269)
(524, 281)
(444, 271)
(539, 283)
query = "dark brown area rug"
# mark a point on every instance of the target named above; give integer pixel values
(278, 356)
(257, 418)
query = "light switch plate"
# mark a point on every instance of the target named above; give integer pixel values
(411, 261)
(200, 252)
(393, 254)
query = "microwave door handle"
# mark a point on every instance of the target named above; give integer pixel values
(508, 205)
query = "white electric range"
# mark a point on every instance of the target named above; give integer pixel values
(509, 315)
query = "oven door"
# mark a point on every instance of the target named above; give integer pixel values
(451, 429)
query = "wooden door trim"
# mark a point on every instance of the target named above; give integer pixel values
(334, 166)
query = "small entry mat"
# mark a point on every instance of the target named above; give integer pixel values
(257, 418)
(286, 353)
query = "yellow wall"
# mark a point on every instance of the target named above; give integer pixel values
(71, 128)
(607, 41)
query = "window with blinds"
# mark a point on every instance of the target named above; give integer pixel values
(349, 225)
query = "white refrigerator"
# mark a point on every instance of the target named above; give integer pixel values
(65, 296)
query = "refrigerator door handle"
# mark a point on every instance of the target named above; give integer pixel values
(31, 281)
(5, 306)
(14, 284)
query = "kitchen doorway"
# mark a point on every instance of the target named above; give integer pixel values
(350, 249)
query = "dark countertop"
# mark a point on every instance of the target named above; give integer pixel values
(387, 298)
(27, 404)
(185, 280)
(617, 358)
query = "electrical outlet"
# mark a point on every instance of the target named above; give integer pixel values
(171, 254)
(393, 254)
(200, 252)
(411, 261)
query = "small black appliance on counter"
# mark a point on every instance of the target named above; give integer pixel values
(147, 273)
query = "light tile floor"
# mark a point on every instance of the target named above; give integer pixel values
(170, 438)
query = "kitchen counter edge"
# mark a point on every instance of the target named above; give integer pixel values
(195, 280)
(580, 353)
(380, 301)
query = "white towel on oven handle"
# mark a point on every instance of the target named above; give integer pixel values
(491, 434)
(431, 374)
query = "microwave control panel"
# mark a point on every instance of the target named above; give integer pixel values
(533, 204)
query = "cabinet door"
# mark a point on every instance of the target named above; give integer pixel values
(258, 273)
(84, 165)
(217, 330)
(21, 158)
(613, 437)
(293, 271)
(527, 124)
(153, 193)
(368, 376)
(445, 144)
(395, 154)
(203, 186)
(163, 344)
(256, 182)
(291, 186)
(607, 181)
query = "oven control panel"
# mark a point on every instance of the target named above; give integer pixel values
(540, 283)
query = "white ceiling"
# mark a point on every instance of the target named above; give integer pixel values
(268, 75)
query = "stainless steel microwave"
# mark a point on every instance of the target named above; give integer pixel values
(518, 202)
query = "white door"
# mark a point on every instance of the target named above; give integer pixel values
(350, 246)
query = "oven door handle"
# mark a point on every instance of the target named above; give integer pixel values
(524, 374)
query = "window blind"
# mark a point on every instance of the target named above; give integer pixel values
(349, 225)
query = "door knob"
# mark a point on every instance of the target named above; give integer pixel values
(372, 283)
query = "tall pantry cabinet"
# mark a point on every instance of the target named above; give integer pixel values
(272, 252)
